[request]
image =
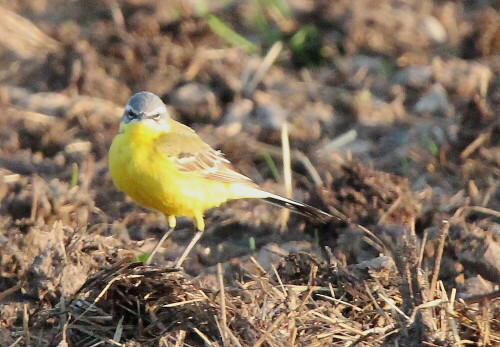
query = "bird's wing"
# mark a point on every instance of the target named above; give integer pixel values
(189, 153)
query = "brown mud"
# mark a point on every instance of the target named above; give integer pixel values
(393, 115)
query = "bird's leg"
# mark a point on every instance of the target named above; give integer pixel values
(200, 225)
(171, 227)
(188, 249)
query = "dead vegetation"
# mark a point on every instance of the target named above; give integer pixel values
(392, 115)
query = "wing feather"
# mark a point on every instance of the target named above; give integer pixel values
(189, 153)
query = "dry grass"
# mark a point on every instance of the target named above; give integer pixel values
(355, 144)
(305, 302)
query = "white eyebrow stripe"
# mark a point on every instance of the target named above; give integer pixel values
(129, 108)
(159, 109)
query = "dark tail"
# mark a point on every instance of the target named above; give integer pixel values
(306, 210)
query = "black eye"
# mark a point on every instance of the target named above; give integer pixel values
(131, 115)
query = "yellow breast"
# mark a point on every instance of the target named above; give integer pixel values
(145, 174)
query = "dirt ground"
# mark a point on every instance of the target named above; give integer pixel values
(392, 110)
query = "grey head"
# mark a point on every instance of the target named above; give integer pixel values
(145, 106)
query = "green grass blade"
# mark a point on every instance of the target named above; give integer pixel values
(74, 176)
(229, 35)
(272, 166)
(251, 243)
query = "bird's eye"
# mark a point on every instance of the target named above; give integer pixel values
(128, 116)
(156, 116)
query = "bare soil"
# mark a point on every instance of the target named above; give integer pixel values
(393, 116)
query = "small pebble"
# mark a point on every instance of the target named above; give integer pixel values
(435, 101)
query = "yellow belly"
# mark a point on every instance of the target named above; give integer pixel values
(149, 178)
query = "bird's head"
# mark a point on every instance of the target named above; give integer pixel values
(148, 109)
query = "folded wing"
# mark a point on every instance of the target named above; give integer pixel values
(189, 153)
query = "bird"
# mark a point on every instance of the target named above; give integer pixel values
(164, 165)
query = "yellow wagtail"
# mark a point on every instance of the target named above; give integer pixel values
(164, 165)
